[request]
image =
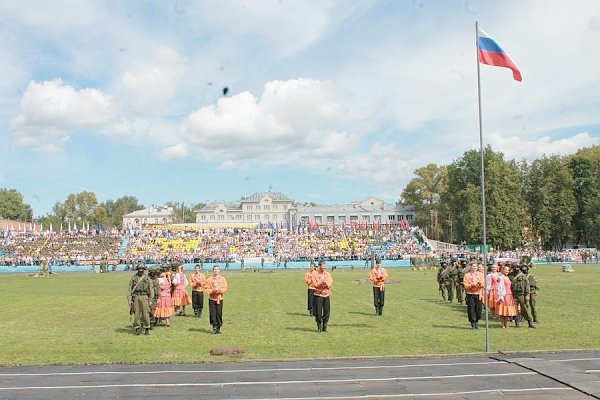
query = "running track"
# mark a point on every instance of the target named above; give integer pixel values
(544, 376)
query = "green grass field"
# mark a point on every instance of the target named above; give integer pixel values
(83, 318)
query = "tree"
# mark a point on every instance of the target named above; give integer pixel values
(425, 192)
(78, 208)
(116, 209)
(551, 201)
(12, 206)
(505, 207)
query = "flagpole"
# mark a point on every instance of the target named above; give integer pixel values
(485, 291)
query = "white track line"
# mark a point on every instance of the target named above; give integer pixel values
(238, 371)
(221, 384)
(445, 394)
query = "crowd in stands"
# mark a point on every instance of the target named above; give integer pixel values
(223, 245)
(65, 248)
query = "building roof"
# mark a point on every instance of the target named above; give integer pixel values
(278, 196)
(151, 212)
(229, 206)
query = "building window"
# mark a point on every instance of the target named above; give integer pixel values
(377, 218)
(221, 217)
(409, 217)
(304, 219)
(248, 217)
(342, 219)
(203, 217)
(366, 218)
(256, 217)
(391, 217)
(266, 207)
(318, 219)
(275, 207)
(330, 219)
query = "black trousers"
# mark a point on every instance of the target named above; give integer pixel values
(473, 307)
(215, 312)
(322, 309)
(310, 306)
(378, 296)
(197, 300)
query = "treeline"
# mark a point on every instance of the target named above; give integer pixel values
(550, 204)
(83, 209)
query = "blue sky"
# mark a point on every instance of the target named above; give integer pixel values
(329, 101)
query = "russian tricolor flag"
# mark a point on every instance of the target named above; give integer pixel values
(492, 54)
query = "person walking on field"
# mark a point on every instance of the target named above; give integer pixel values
(216, 286)
(378, 277)
(473, 283)
(140, 295)
(322, 281)
(197, 282)
(308, 279)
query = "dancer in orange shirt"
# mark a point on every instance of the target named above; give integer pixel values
(216, 286)
(197, 282)
(322, 281)
(308, 279)
(473, 283)
(378, 276)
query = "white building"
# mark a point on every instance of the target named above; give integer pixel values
(369, 213)
(261, 209)
(274, 209)
(154, 215)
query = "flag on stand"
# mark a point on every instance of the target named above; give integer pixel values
(491, 53)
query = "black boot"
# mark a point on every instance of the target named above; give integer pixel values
(324, 327)
(138, 331)
(319, 327)
(218, 330)
(531, 325)
(380, 310)
(215, 329)
(147, 331)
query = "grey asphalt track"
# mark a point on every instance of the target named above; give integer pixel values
(544, 376)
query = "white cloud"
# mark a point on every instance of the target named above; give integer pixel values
(176, 151)
(51, 109)
(297, 118)
(381, 165)
(149, 86)
(517, 148)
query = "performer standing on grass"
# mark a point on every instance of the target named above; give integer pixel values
(216, 285)
(473, 283)
(308, 279)
(180, 296)
(140, 295)
(505, 306)
(378, 276)
(322, 282)
(164, 307)
(197, 282)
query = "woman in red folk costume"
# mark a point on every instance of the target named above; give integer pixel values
(164, 307)
(505, 306)
(180, 296)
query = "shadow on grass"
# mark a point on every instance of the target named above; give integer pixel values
(460, 327)
(361, 313)
(353, 325)
(202, 330)
(301, 314)
(128, 330)
(289, 328)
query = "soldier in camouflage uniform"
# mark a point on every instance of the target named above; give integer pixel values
(533, 292)
(448, 277)
(441, 286)
(521, 291)
(154, 273)
(141, 293)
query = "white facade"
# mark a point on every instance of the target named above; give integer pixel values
(262, 209)
(154, 215)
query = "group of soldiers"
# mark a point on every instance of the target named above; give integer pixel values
(523, 288)
(161, 293)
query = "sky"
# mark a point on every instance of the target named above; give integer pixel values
(327, 101)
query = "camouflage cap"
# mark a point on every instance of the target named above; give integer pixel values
(140, 266)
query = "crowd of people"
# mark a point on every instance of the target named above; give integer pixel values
(508, 289)
(218, 245)
(154, 297)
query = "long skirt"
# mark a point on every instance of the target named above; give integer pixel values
(507, 307)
